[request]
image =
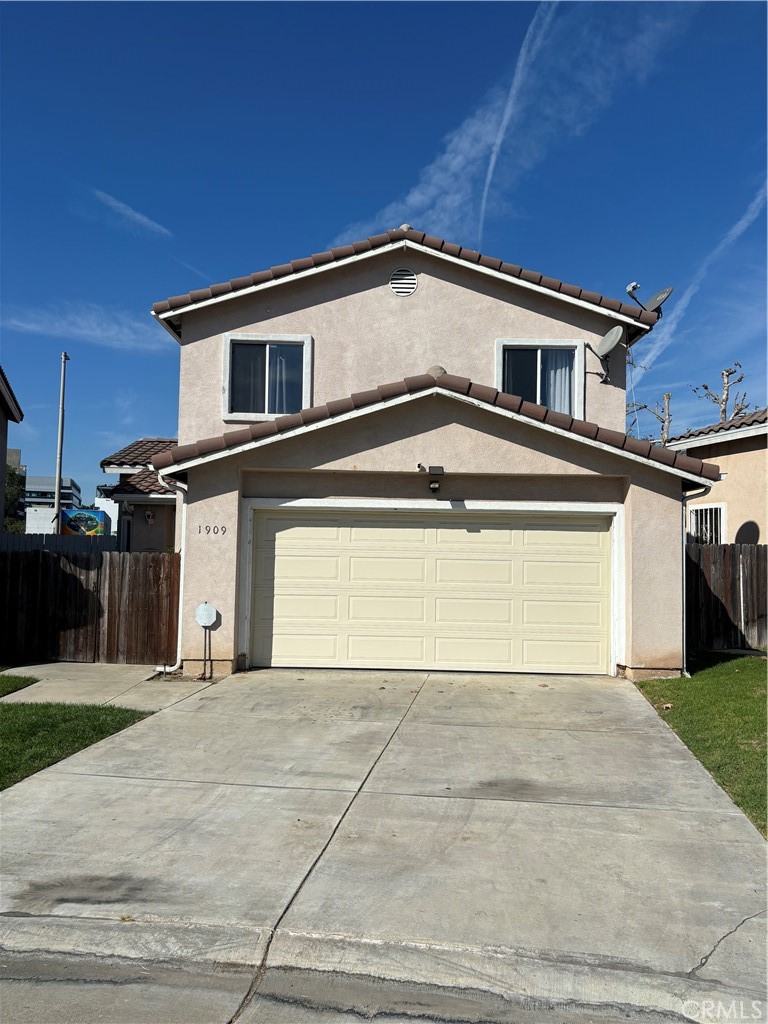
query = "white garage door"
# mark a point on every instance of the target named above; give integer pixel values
(431, 590)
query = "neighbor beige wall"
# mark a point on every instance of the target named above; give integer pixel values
(364, 335)
(507, 461)
(744, 489)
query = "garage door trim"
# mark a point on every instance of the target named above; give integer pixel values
(250, 506)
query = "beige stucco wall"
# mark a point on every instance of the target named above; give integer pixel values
(485, 458)
(158, 536)
(743, 491)
(364, 335)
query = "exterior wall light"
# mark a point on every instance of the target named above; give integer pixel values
(434, 486)
(149, 515)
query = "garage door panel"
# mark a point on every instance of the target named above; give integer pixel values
(387, 570)
(380, 608)
(563, 613)
(298, 531)
(427, 590)
(468, 570)
(377, 533)
(546, 655)
(304, 648)
(570, 538)
(300, 607)
(472, 610)
(468, 650)
(303, 567)
(579, 575)
(372, 647)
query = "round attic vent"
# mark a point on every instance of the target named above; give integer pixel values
(403, 282)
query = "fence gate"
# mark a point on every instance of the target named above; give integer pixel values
(89, 606)
(726, 586)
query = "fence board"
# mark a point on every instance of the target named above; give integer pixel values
(726, 596)
(61, 544)
(88, 605)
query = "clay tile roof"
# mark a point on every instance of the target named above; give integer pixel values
(297, 267)
(139, 453)
(145, 482)
(749, 419)
(653, 454)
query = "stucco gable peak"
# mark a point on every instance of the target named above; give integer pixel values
(169, 311)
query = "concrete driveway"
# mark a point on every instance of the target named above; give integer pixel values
(287, 846)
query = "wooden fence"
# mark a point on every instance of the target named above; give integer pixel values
(98, 606)
(726, 586)
(63, 544)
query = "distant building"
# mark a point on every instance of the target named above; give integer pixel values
(40, 492)
(10, 411)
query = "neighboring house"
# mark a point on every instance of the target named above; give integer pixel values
(348, 503)
(147, 505)
(10, 412)
(734, 511)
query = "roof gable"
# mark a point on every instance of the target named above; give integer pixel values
(458, 388)
(749, 425)
(169, 311)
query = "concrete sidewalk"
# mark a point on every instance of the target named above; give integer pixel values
(289, 846)
(125, 686)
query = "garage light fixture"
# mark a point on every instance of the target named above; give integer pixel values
(433, 471)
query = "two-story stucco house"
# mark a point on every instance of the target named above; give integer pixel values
(402, 453)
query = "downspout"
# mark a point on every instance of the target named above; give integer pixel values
(182, 489)
(686, 496)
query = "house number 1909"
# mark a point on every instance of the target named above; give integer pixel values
(211, 529)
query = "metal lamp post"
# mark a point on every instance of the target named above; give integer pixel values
(60, 447)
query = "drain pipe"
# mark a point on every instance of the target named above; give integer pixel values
(178, 488)
(686, 496)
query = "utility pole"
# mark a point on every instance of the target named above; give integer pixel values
(60, 447)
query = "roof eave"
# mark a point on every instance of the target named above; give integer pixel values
(719, 437)
(636, 326)
(304, 429)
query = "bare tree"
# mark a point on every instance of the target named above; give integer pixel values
(740, 403)
(663, 415)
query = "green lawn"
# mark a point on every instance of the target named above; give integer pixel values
(10, 684)
(720, 715)
(34, 736)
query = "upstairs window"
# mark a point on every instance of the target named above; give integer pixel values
(266, 376)
(551, 374)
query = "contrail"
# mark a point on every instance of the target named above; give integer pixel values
(532, 43)
(664, 335)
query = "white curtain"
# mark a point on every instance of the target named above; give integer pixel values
(557, 379)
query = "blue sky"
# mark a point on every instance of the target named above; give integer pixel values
(149, 149)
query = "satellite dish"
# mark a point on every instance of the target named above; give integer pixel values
(610, 341)
(659, 299)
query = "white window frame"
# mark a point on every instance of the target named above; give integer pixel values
(715, 506)
(305, 340)
(577, 347)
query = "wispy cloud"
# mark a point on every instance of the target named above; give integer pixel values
(194, 270)
(87, 322)
(663, 335)
(130, 217)
(532, 43)
(562, 80)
